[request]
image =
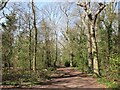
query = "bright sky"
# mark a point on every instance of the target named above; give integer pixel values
(43, 0)
(47, 1)
(61, 0)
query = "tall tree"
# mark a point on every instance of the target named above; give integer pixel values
(35, 37)
(56, 57)
(65, 10)
(86, 23)
(92, 18)
(30, 38)
(110, 15)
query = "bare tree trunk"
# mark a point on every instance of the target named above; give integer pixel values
(119, 32)
(35, 38)
(94, 49)
(92, 35)
(67, 22)
(109, 41)
(56, 57)
(89, 43)
(30, 45)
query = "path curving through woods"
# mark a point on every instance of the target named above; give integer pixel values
(67, 78)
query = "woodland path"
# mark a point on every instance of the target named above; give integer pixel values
(68, 78)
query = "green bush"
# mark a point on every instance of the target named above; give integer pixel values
(109, 84)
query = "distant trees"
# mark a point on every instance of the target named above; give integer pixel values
(46, 32)
(8, 39)
(30, 38)
(107, 41)
(108, 22)
(66, 12)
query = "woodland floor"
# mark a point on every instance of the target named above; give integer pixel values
(67, 78)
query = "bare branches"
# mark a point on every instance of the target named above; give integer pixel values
(87, 9)
(65, 36)
(3, 4)
(102, 6)
(81, 4)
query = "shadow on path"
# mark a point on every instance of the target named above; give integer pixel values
(70, 78)
(67, 78)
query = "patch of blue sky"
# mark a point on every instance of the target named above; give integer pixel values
(62, 0)
(119, 4)
(41, 3)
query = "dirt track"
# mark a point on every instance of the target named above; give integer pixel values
(66, 78)
(70, 78)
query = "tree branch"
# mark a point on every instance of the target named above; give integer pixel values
(87, 9)
(3, 4)
(82, 5)
(102, 6)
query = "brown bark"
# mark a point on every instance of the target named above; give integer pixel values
(35, 38)
(30, 45)
(56, 57)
